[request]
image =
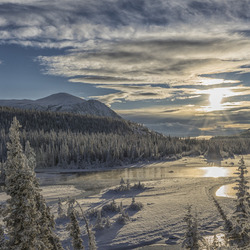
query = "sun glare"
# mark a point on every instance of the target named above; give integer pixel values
(216, 96)
(215, 172)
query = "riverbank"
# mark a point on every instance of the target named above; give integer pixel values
(160, 221)
(182, 162)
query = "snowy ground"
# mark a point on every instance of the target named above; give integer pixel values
(159, 225)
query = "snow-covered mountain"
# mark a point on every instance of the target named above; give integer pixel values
(63, 102)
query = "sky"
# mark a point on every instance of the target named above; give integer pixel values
(180, 67)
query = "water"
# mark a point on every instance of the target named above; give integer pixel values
(102, 179)
(226, 191)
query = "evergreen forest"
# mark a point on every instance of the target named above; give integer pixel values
(79, 141)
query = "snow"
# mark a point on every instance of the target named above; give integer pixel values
(159, 225)
(60, 99)
(63, 102)
(51, 193)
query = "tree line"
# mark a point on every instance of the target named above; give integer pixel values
(79, 141)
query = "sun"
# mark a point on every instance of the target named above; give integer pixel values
(215, 98)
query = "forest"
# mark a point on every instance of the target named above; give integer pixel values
(28, 222)
(80, 141)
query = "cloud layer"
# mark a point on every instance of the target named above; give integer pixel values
(166, 52)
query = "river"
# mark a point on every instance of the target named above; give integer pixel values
(98, 180)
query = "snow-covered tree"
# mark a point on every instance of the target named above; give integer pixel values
(192, 238)
(123, 218)
(71, 203)
(122, 182)
(46, 225)
(128, 184)
(28, 219)
(60, 211)
(135, 205)
(22, 213)
(108, 222)
(2, 238)
(91, 235)
(31, 156)
(241, 227)
(75, 233)
(99, 221)
(46, 220)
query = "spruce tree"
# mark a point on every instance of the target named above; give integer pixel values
(29, 221)
(71, 203)
(241, 228)
(99, 221)
(31, 156)
(193, 238)
(46, 225)
(60, 211)
(91, 236)
(2, 238)
(21, 211)
(75, 231)
(46, 222)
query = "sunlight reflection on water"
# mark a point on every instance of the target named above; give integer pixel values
(103, 179)
(215, 172)
(226, 191)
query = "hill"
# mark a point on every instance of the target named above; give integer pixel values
(63, 102)
(33, 120)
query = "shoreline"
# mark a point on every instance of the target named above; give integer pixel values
(187, 161)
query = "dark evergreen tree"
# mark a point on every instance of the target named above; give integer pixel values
(193, 239)
(29, 222)
(75, 233)
(22, 226)
(2, 238)
(241, 227)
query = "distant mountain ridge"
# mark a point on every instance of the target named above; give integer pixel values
(63, 102)
(242, 134)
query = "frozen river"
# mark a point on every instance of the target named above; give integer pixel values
(97, 180)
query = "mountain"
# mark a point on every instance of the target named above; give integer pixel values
(63, 102)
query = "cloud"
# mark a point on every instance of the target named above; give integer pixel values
(79, 21)
(186, 120)
(134, 93)
(169, 52)
(176, 121)
(147, 42)
(141, 92)
(170, 60)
